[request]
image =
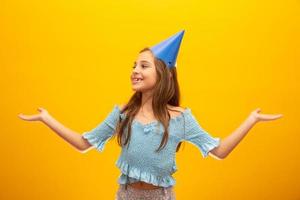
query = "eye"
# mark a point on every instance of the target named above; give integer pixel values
(143, 66)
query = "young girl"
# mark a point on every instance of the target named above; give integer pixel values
(151, 127)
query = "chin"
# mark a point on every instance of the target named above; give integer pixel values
(141, 89)
(137, 89)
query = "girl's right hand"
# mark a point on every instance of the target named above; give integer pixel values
(38, 117)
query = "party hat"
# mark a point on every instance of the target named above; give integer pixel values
(167, 50)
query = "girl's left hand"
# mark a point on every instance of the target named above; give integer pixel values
(263, 117)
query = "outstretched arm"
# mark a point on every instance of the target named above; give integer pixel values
(230, 142)
(72, 137)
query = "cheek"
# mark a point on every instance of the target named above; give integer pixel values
(150, 81)
(152, 78)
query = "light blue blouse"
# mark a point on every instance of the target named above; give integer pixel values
(140, 162)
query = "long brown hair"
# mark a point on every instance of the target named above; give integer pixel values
(166, 91)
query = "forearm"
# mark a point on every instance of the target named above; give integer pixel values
(230, 142)
(72, 137)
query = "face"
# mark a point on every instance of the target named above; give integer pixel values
(143, 77)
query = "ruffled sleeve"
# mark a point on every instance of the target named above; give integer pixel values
(196, 135)
(102, 132)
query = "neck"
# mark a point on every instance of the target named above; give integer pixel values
(147, 101)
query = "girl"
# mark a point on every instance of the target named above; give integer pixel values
(151, 127)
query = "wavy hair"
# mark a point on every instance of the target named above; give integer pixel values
(166, 91)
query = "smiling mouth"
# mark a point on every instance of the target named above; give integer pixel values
(136, 80)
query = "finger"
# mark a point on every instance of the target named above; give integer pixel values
(257, 110)
(278, 116)
(271, 117)
(20, 115)
(28, 117)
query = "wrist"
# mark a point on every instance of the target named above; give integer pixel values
(45, 118)
(252, 119)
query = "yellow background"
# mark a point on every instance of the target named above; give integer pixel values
(74, 59)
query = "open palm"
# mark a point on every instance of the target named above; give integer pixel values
(37, 117)
(264, 117)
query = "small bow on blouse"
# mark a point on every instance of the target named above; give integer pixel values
(148, 129)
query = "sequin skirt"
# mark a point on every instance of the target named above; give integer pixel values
(132, 193)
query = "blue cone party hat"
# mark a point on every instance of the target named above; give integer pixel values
(167, 50)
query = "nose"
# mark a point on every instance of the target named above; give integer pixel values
(135, 70)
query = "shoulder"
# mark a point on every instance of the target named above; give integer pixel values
(176, 108)
(121, 106)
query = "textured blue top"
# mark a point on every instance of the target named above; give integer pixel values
(140, 162)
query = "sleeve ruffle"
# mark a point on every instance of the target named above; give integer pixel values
(205, 143)
(195, 134)
(96, 141)
(100, 134)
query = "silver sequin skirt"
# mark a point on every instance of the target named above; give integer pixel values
(132, 193)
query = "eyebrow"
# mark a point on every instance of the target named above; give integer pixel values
(143, 61)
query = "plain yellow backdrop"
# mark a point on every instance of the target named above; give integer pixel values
(74, 59)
